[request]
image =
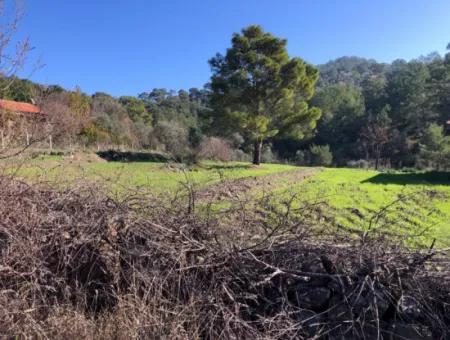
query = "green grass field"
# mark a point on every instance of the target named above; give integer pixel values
(418, 203)
(414, 202)
(156, 176)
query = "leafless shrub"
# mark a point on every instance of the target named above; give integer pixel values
(76, 263)
(215, 148)
(61, 121)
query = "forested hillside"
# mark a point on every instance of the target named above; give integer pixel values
(395, 113)
(142, 217)
(371, 114)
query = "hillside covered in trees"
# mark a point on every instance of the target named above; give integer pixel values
(167, 231)
(371, 114)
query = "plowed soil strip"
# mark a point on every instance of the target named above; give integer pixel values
(234, 189)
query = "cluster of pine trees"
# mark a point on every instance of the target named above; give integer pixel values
(349, 111)
(394, 113)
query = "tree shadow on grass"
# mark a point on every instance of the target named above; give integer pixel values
(428, 178)
(129, 156)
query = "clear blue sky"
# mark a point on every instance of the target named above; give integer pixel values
(125, 47)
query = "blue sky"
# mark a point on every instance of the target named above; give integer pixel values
(125, 47)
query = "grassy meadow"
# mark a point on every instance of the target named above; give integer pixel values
(159, 177)
(418, 203)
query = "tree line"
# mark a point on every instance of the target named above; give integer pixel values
(265, 105)
(393, 113)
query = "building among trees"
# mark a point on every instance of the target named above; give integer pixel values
(18, 121)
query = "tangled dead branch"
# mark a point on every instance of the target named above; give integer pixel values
(75, 263)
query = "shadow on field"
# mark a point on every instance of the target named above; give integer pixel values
(228, 166)
(129, 156)
(432, 177)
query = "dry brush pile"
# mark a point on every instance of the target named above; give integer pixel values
(75, 263)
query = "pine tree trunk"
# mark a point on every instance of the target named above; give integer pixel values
(257, 152)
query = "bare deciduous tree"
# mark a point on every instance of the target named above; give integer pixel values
(61, 122)
(215, 148)
(13, 52)
(375, 136)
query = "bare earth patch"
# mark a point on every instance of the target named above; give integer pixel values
(84, 157)
(236, 188)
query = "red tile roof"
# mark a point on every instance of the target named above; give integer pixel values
(10, 105)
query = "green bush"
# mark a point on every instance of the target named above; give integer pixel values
(268, 155)
(301, 157)
(434, 148)
(320, 155)
(174, 139)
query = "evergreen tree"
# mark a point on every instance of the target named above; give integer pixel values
(258, 89)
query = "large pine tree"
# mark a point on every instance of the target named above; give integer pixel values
(262, 92)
